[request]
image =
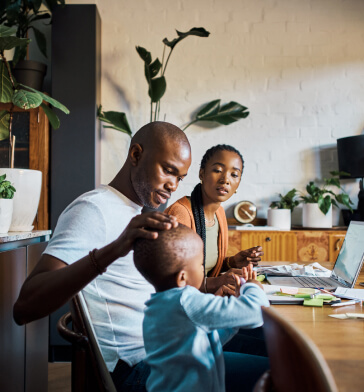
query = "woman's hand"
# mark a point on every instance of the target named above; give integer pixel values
(226, 279)
(246, 257)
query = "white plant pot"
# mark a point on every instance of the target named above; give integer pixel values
(279, 218)
(313, 217)
(28, 185)
(6, 213)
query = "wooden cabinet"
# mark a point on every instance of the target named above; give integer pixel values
(294, 245)
(23, 349)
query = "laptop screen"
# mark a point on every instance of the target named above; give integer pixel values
(351, 254)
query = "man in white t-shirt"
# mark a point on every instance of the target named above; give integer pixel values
(90, 249)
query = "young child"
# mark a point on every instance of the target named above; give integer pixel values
(184, 329)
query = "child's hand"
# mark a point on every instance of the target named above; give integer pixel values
(250, 276)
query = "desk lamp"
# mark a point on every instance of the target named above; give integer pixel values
(350, 152)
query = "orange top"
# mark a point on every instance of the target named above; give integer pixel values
(182, 210)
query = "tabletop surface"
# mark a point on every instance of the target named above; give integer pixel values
(341, 342)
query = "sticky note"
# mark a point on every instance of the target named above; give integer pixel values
(308, 296)
(325, 297)
(313, 302)
(289, 290)
(305, 290)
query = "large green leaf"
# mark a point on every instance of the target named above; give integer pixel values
(48, 99)
(117, 120)
(225, 115)
(343, 198)
(6, 88)
(197, 31)
(157, 88)
(152, 69)
(324, 203)
(4, 124)
(26, 99)
(6, 31)
(52, 117)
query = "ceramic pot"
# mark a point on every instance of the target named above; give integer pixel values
(6, 213)
(28, 185)
(313, 217)
(279, 218)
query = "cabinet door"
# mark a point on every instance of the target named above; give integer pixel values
(36, 344)
(12, 336)
(277, 245)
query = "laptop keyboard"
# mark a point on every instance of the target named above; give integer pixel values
(316, 282)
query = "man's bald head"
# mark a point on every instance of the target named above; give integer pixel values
(159, 133)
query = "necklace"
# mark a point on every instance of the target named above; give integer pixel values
(210, 222)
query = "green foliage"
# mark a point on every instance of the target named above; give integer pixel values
(18, 94)
(23, 14)
(326, 197)
(154, 72)
(288, 201)
(117, 120)
(6, 189)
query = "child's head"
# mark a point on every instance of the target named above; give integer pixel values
(174, 259)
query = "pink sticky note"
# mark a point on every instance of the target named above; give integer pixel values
(289, 290)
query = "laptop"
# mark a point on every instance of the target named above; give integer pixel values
(346, 269)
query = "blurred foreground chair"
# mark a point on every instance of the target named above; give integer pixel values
(296, 363)
(89, 371)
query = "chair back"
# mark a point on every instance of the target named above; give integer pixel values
(296, 362)
(89, 371)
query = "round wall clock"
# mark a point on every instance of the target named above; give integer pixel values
(245, 211)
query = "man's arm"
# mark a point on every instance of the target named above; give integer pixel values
(52, 282)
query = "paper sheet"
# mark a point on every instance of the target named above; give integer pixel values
(313, 269)
(350, 293)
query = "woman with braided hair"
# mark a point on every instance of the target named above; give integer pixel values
(220, 174)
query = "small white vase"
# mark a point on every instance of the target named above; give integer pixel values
(6, 213)
(279, 218)
(28, 185)
(313, 217)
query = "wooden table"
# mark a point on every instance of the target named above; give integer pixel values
(340, 341)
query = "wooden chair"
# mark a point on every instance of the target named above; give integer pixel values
(89, 371)
(296, 363)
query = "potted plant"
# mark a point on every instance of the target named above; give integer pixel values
(317, 204)
(279, 213)
(154, 72)
(24, 15)
(6, 203)
(27, 182)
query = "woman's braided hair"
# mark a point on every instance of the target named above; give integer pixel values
(196, 195)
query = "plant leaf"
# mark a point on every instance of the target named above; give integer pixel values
(196, 31)
(154, 68)
(48, 99)
(4, 125)
(52, 117)
(157, 88)
(41, 41)
(324, 203)
(144, 54)
(26, 99)
(7, 41)
(225, 115)
(6, 88)
(117, 120)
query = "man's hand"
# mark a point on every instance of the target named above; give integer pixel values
(142, 226)
(246, 257)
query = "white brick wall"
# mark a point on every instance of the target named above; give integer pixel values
(298, 65)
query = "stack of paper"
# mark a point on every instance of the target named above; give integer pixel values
(350, 293)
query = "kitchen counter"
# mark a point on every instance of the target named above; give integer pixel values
(23, 235)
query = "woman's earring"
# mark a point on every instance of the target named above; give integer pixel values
(201, 182)
(236, 191)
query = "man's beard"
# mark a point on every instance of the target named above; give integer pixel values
(143, 190)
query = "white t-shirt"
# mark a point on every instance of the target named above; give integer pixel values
(116, 298)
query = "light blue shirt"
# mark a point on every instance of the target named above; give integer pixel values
(116, 298)
(184, 330)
